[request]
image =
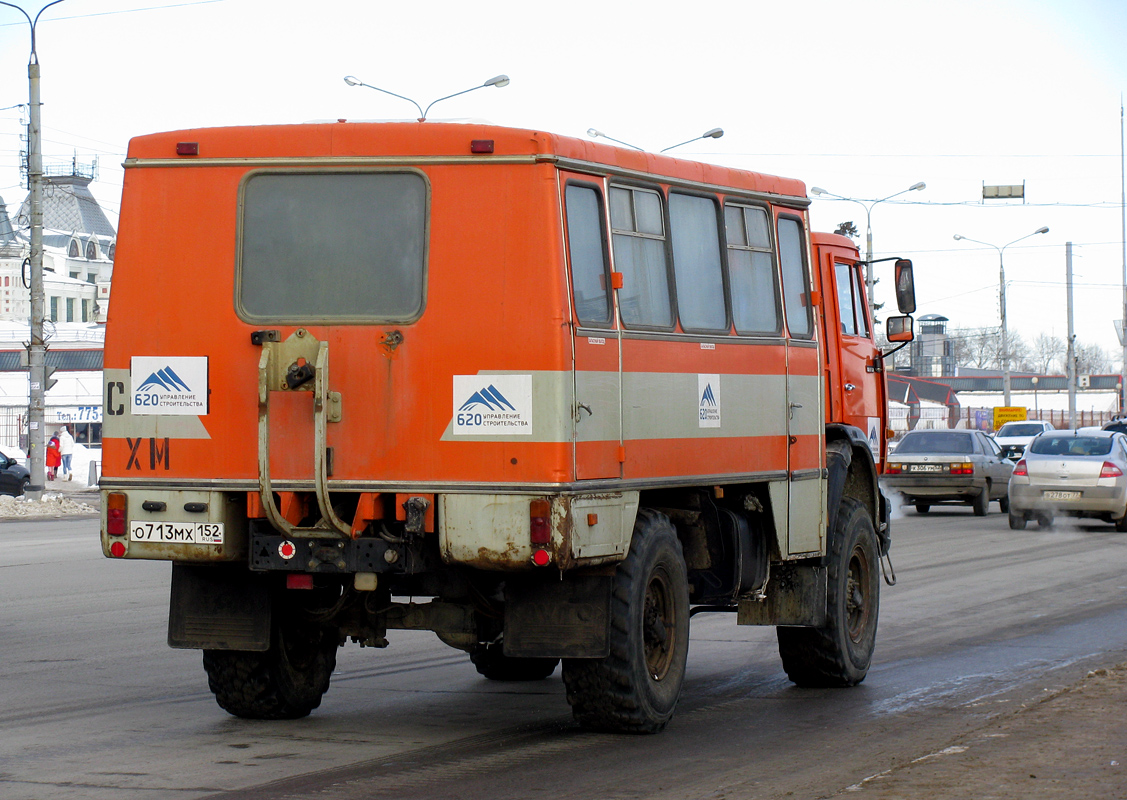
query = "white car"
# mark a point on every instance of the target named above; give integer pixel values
(1014, 437)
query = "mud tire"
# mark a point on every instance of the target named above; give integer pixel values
(635, 688)
(1017, 521)
(981, 502)
(839, 653)
(492, 663)
(285, 682)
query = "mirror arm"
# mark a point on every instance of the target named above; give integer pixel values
(882, 355)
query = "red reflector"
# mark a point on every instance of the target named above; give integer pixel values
(538, 530)
(187, 148)
(299, 581)
(1110, 471)
(481, 146)
(541, 558)
(1021, 468)
(117, 549)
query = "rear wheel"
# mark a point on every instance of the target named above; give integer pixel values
(1045, 520)
(839, 653)
(1017, 521)
(1121, 523)
(981, 502)
(1004, 504)
(492, 663)
(285, 682)
(635, 688)
(922, 508)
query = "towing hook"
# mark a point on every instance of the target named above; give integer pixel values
(298, 374)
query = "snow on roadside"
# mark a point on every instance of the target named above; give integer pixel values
(52, 505)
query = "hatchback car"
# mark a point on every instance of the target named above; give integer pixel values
(947, 466)
(1074, 473)
(14, 476)
(1014, 437)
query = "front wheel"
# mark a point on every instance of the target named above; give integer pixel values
(635, 688)
(285, 682)
(839, 653)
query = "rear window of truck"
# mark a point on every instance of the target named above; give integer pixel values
(332, 246)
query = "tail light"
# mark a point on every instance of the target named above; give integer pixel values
(1021, 469)
(965, 468)
(893, 469)
(1109, 470)
(539, 532)
(116, 506)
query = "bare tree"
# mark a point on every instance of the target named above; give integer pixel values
(1091, 359)
(1047, 354)
(976, 347)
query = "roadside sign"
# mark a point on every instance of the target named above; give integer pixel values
(1004, 414)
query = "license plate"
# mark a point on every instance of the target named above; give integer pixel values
(926, 468)
(1061, 495)
(176, 532)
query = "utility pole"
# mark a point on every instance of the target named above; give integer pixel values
(37, 349)
(1071, 366)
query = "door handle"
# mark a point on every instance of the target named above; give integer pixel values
(793, 406)
(849, 387)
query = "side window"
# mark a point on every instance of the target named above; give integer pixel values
(696, 263)
(751, 270)
(796, 283)
(844, 278)
(859, 304)
(587, 253)
(638, 236)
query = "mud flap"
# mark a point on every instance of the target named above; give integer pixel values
(218, 608)
(558, 618)
(796, 595)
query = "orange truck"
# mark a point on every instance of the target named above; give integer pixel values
(565, 393)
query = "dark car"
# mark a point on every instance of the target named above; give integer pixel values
(945, 466)
(14, 477)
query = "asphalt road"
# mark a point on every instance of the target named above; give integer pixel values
(94, 705)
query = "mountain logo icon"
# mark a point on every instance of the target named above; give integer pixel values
(165, 379)
(708, 398)
(488, 397)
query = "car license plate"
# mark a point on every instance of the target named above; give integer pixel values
(926, 468)
(176, 532)
(1061, 495)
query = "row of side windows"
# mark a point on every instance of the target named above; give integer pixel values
(723, 272)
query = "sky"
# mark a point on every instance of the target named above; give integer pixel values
(862, 99)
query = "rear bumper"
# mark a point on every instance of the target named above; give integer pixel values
(1093, 501)
(935, 487)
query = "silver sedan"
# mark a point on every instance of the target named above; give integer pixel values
(1074, 473)
(948, 466)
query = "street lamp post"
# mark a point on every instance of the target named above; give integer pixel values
(37, 349)
(1002, 304)
(868, 206)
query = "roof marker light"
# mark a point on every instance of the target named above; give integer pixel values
(187, 148)
(481, 146)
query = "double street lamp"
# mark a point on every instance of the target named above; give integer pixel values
(868, 206)
(500, 81)
(1002, 304)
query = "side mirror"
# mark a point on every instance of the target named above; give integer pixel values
(899, 329)
(905, 287)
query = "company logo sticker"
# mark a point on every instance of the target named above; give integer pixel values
(492, 404)
(708, 401)
(874, 436)
(170, 385)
